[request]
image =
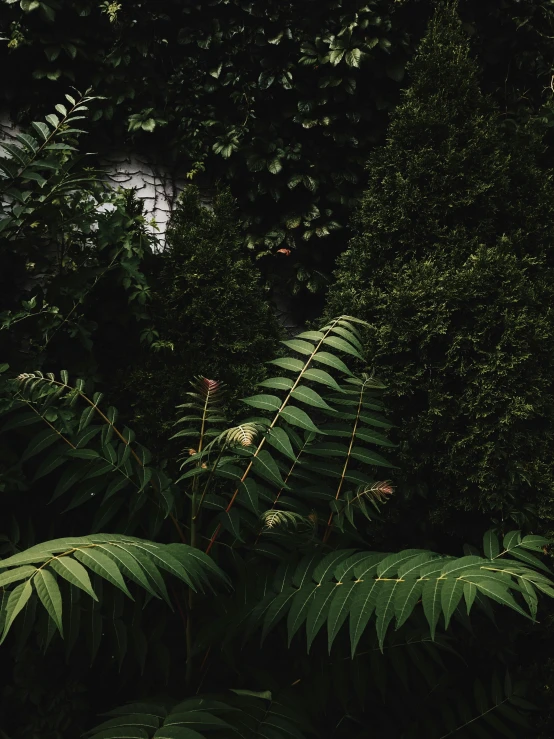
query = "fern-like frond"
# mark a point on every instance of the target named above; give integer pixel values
(387, 587)
(113, 557)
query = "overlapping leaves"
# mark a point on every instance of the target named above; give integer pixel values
(114, 557)
(240, 713)
(99, 461)
(364, 587)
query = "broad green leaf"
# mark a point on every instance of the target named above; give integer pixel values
(339, 609)
(299, 609)
(16, 602)
(101, 564)
(384, 608)
(342, 345)
(297, 417)
(529, 559)
(161, 556)
(405, 599)
(324, 378)
(248, 495)
(534, 542)
(128, 565)
(302, 347)
(388, 566)
(277, 383)
(20, 573)
(311, 335)
(491, 546)
(318, 610)
(310, 397)
(464, 564)
(50, 596)
(412, 566)
(40, 442)
(370, 457)
(42, 129)
(288, 363)
(265, 466)
(331, 361)
(497, 590)
(277, 609)
(351, 335)
(278, 438)
(326, 568)
(361, 609)
(511, 540)
(470, 591)
(373, 437)
(451, 594)
(73, 572)
(431, 600)
(264, 402)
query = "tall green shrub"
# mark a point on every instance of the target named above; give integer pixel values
(209, 307)
(452, 265)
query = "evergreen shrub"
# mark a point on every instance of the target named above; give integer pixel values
(452, 265)
(210, 307)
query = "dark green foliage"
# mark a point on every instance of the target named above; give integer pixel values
(210, 307)
(284, 100)
(280, 507)
(453, 268)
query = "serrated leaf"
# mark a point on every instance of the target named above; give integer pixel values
(16, 602)
(264, 402)
(50, 596)
(103, 566)
(343, 346)
(431, 600)
(310, 397)
(317, 375)
(451, 594)
(300, 346)
(338, 610)
(277, 383)
(405, 599)
(288, 363)
(384, 608)
(318, 611)
(331, 361)
(278, 438)
(74, 573)
(297, 417)
(361, 610)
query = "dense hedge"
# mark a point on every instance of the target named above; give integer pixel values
(453, 267)
(283, 100)
(208, 304)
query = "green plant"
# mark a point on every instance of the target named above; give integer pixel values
(284, 102)
(209, 306)
(452, 267)
(290, 495)
(64, 233)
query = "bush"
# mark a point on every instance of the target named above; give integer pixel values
(452, 267)
(210, 307)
